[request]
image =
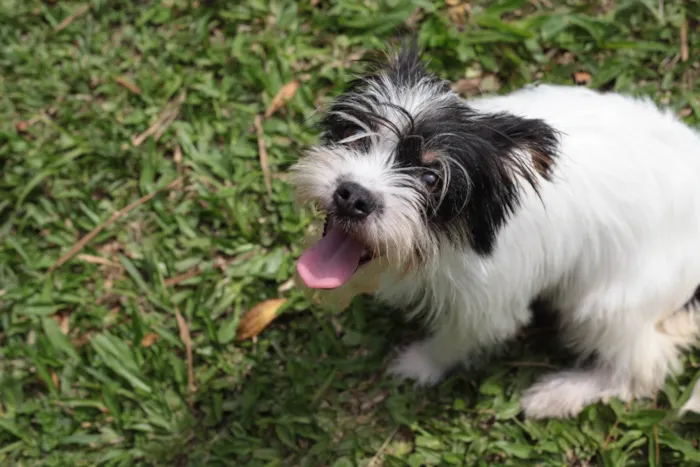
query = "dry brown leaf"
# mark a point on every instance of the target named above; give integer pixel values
(582, 77)
(458, 14)
(22, 127)
(187, 341)
(262, 154)
(258, 318)
(283, 96)
(82, 340)
(149, 339)
(685, 112)
(122, 81)
(63, 321)
(54, 379)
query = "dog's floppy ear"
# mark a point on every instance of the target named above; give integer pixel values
(497, 152)
(510, 133)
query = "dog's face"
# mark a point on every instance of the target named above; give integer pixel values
(404, 165)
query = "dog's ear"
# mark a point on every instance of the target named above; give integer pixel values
(492, 150)
(511, 133)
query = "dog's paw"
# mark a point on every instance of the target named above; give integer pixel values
(414, 363)
(561, 395)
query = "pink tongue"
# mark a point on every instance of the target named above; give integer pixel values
(331, 262)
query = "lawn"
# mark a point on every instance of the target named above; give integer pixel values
(144, 210)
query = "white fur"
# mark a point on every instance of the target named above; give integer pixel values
(614, 242)
(400, 230)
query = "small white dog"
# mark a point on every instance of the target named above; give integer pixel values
(590, 201)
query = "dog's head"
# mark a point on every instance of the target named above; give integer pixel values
(405, 166)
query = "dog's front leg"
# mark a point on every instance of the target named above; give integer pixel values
(457, 339)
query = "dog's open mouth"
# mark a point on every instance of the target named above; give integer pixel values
(333, 260)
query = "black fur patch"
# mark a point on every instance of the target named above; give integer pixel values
(485, 147)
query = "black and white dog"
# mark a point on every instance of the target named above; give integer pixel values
(588, 200)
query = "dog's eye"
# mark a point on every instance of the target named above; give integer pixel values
(350, 132)
(430, 179)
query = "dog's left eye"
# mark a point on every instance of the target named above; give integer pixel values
(351, 131)
(430, 179)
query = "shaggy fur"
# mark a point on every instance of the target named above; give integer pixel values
(588, 200)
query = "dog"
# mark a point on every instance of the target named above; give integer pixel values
(474, 209)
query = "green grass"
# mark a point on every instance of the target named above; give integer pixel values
(77, 387)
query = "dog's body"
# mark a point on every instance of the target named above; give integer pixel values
(592, 203)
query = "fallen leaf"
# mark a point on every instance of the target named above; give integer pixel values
(22, 127)
(685, 112)
(582, 77)
(149, 339)
(458, 12)
(283, 96)
(54, 379)
(258, 318)
(63, 321)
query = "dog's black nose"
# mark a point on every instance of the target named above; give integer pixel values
(353, 201)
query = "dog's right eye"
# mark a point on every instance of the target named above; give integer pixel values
(430, 179)
(351, 131)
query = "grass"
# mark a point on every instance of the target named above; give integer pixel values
(94, 353)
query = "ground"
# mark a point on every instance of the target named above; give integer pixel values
(119, 321)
